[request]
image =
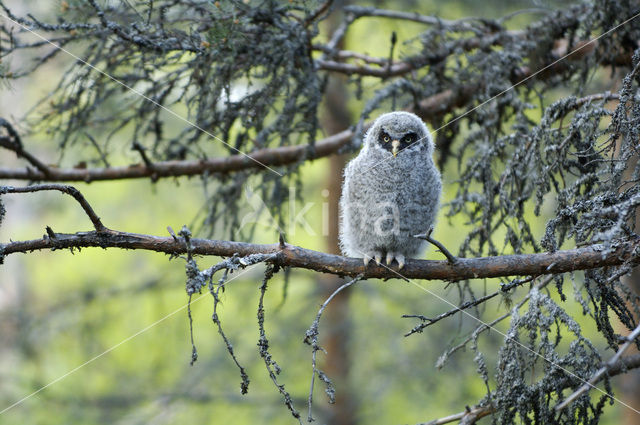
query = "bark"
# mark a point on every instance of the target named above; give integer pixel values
(337, 362)
(590, 257)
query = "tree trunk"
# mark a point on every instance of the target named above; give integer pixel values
(337, 326)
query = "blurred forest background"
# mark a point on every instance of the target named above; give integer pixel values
(60, 309)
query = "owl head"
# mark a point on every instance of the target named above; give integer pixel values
(397, 132)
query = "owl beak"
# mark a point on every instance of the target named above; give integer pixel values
(395, 146)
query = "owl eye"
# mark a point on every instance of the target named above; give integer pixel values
(410, 138)
(386, 138)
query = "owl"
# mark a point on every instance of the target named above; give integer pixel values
(391, 191)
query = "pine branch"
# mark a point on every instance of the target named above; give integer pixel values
(585, 258)
(284, 155)
(590, 257)
(631, 338)
(472, 415)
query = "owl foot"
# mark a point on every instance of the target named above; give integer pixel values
(398, 257)
(377, 255)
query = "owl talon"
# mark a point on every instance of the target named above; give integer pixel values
(390, 256)
(372, 255)
(397, 256)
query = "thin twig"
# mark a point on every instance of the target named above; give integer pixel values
(360, 11)
(103, 156)
(196, 279)
(323, 8)
(147, 162)
(340, 32)
(394, 40)
(13, 143)
(143, 154)
(544, 282)
(469, 416)
(472, 303)
(506, 287)
(348, 54)
(263, 345)
(427, 237)
(428, 322)
(69, 190)
(311, 338)
(396, 69)
(244, 383)
(194, 351)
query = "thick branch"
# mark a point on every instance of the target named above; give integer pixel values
(293, 256)
(271, 157)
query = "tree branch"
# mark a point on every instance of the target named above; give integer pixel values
(13, 143)
(426, 321)
(360, 11)
(69, 190)
(348, 54)
(490, 33)
(602, 371)
(449, 99)
(485, 326)
(271, 157)
(311, 338)
(435, 105)
(396, 69)
(293, 256)
(471, 415)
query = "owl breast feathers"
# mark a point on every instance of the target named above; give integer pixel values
(391, 191)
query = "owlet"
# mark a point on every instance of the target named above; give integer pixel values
(391, 191)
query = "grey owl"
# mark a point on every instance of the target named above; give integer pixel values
(391, 191)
